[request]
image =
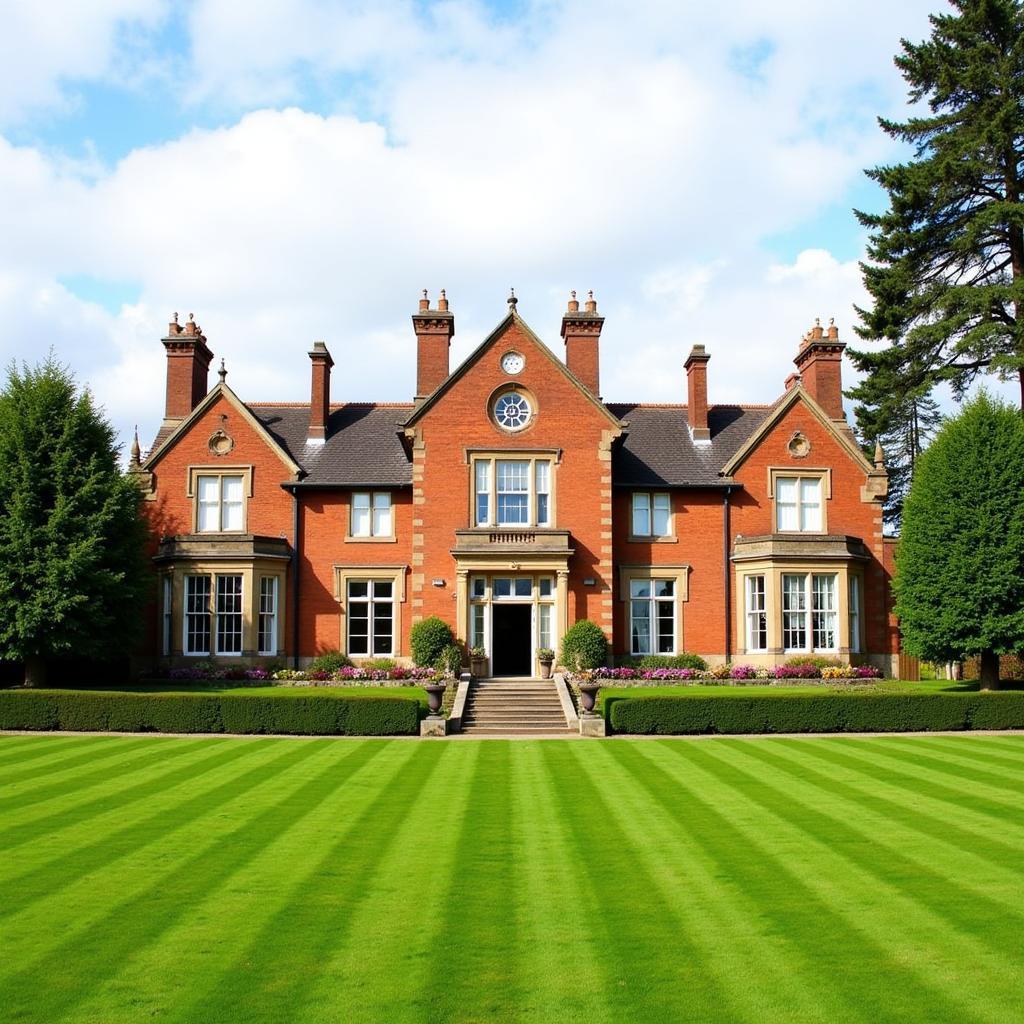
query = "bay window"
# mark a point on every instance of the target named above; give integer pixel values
(266, 641)
(229, 614)
(810, 612)
(197, 615)
(757, 617)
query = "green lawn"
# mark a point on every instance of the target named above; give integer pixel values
(257, 880)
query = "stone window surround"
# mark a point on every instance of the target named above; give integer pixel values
(653, 538)
(192, 491)
(531, 455)
(823, 473)
(396, 574)
(678, 573)
(371, 538)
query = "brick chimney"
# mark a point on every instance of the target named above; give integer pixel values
(188, 367)
(582, 334)
(320, 396)
(434, 329)
(820, 361)
(697, 394)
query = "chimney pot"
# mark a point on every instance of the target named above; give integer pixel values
(574, 303)
(424, 302)
(591, 306)
(442, 302)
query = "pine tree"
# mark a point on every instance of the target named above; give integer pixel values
(946, 259)
(72, 573)
(960, 560)
(903, 434)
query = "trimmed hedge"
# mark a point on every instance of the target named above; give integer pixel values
(805, 712)
(313, 715)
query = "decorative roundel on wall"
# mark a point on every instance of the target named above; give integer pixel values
(513, 363)
(221, 443)
(799, 446)
(512, 411)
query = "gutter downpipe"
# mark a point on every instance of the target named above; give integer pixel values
(726, 574)
(296, 543)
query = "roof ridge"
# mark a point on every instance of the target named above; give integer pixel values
(683, 405)
(334, 405)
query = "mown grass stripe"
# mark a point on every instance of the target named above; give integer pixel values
(480, 979)
(21, 785)
(976, 842)
(554, 936)
(142, 915)
(294, 910)
(81, 834)
(651, 967)
(18, 750)
(712, 906)
(966, 752)
(902, 775)
(803, 898)
(815, 807)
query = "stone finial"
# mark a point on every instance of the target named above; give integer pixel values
(833, 331)
(816, 332)
(442, 302)
(591, 306)
(173, 327)
(512, 300)
(879, 456)
(424, 301)
(222, 372)
(574, 304)
(136, 454)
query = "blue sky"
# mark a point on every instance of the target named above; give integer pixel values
(300, 169)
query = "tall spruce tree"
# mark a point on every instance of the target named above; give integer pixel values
(72, 574)
(960, 560)
(905, 431)
(946, 259)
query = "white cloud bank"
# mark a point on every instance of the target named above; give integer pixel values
(627, 155)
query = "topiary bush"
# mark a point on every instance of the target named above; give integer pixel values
(584, 646)
(330, 661)
(428, 639)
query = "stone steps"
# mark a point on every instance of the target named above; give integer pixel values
(530, 707)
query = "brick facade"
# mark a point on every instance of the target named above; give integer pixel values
(341, 501)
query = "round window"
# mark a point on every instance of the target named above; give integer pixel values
(512, 411)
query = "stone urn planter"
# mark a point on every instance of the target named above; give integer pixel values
(478, 664)
(588, 696)
(435, 697)
(546, 657)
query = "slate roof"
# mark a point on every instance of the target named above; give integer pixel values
(657, 450)
(362, 448)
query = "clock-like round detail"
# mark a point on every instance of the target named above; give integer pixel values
(512, 362)
(512, 411)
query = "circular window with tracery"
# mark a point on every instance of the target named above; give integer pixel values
(512, 411)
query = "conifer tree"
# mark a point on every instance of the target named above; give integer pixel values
(960, 560)
(946, 259)
(72, 574)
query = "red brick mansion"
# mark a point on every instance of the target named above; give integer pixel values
(510, 500)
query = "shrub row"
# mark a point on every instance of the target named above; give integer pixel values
(813, 712)
(315, 715)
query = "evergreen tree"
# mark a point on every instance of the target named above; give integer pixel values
(946, 268)
(903, 434)
(72, 574)
(960, 560)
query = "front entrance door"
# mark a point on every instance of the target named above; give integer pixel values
(513, 649)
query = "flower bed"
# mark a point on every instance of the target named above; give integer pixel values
(397, 675)
(726, 674)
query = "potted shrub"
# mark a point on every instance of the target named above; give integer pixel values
(478, 662)
(546, 657)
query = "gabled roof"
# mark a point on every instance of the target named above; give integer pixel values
(789, 399)
(363, 446)
(657, 450)
(477, 353)
(221, 390)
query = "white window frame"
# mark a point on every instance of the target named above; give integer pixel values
(373, 602)
(375, 504)
(646, 506)
(189, 615)
(653, 600)
(484, 474)
(221, 505)
(810, 614)
(756, 597)
(854, 598)
(220, 614)
(267, 615)
(167, 615)
(800, 505)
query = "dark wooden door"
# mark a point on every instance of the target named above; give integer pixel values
(513, 653)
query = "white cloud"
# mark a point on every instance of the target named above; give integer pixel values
(571, 148)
